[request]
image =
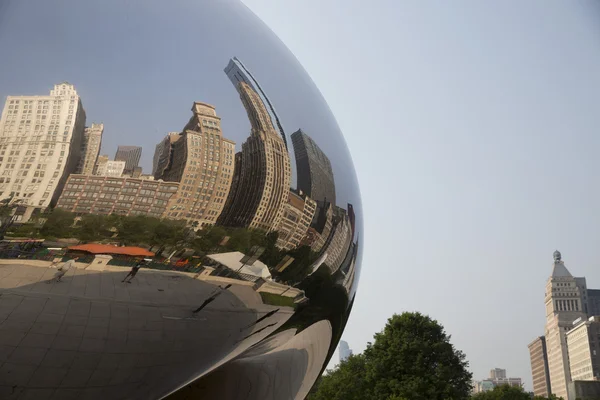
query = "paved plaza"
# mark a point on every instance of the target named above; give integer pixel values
(93, 337)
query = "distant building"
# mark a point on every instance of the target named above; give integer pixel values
(85, 194)
(298, 214)
(497, 378)
(315, 175)
(41, 146)
(485, 385)
(131, 155)
(201, 159)
(238, 73)
(262, 174)
(497, 373)
(90, 149)
(583, 348)
(539, 367)
(345, 351)
(106, 167)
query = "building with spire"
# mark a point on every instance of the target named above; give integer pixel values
(565, 300)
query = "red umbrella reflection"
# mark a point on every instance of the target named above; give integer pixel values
(108, 249)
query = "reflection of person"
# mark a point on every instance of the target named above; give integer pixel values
(134, 271)
(212, 297)
(62, 270)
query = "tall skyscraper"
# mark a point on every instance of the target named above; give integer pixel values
(237, 73)
(315, 175)
(90, 149)
(131, 155)
(40, 146)
(263, 174)
(345, 351)
(539, 367)
(201, 159)
(565, 303)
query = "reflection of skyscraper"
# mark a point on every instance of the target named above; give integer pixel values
(131, 155)
(90, 148)
(297, 216)
(41, 145)
(262, 174)
(202, 161)
(345, 351)
(237, 72)
(315, 175)
(339, 241)
(162, 154)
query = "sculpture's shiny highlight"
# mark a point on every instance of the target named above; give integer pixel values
(216, 255)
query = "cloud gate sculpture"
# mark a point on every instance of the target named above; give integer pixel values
(180, 216)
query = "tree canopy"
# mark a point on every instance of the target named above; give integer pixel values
(412, 358)
(506, 392)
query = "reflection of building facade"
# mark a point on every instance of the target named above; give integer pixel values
(131, 155)
(123, 196)
(162, 154)
(320, 228)
(564, 304)
(237, 73)
(40, 145)
(345, 351)
(297, 216)
(583, 348)
(315, 175)
(339, 240)
(107, 167)
(263, 172)
(202, 161)
(90, 149)
(539, 367)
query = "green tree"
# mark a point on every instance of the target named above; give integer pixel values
(506, 392)
(412, 358)
(59, 224)
(93, 228)
(346, 382)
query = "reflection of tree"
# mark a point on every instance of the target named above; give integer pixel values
(59, 224)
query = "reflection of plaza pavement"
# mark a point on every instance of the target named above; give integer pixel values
(94, 337)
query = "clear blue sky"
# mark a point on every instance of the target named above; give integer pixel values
(474, 127)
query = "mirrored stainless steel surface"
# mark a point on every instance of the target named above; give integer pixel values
(179, 213)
